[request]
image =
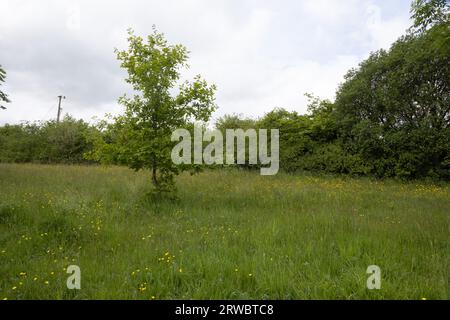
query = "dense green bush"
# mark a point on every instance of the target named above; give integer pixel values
(394, 110)
(19, 143)
(46, 142)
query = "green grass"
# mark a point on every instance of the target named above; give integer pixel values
(230, 235)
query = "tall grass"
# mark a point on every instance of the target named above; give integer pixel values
(230, 235)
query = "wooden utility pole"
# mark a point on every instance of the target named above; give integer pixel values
(59, 108)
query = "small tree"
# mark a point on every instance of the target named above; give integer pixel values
(3, 96)
(143, 133)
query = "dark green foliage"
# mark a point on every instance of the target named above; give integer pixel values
(394, 110)
(295, 138)
(66, 141)
(47, 142)
(233, 122)
(20, 143)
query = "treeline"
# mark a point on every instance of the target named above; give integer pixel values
(46, 142)
(390, 118)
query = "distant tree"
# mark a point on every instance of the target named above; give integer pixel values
(142, 136)
(64, 142)
(3, 96)
(20, 142)
(234, 121)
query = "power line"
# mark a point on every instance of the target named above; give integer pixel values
(46, 114)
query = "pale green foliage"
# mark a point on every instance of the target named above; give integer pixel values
(427, 13)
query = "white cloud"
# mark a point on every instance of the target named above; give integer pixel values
(384, 32)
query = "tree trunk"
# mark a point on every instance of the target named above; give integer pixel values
(154, 177)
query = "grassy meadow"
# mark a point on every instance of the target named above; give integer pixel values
(230, 235)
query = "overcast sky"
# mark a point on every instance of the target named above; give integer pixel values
(260, 54)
